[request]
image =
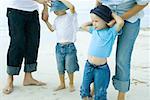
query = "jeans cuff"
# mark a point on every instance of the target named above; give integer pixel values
(11, 70)
(30, 67)
(122, 86)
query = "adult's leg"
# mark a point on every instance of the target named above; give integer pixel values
(125, 44)
(16, 48)
(32, 33)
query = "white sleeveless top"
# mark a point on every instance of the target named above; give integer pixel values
(25, 5)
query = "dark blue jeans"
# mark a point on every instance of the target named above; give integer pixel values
(24, 32)
(100, 75)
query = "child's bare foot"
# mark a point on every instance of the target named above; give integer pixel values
(60, 88)
(85, 98)
(28, 82)
(71, 88)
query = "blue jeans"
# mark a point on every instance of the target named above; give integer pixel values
(125, 44)
(24, 32)
(66, 58)
(100, 75)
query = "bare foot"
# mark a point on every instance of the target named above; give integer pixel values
(34, 82)
(9, 87)
(85, 98)
(71, 88)
(60, 88)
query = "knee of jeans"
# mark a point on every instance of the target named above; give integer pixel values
(84, 92)
(100, 94)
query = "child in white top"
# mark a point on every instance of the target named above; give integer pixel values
(65, 25)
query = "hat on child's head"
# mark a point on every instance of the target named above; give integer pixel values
(103, 12)
(58, 6)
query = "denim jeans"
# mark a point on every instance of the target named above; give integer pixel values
(100, 75)
(125, 44)
(24, 32)
(66, 58)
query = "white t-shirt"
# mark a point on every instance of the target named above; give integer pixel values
(66, 27)
(25, 5)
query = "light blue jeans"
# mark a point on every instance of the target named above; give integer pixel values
(125, 44)
(66, 56)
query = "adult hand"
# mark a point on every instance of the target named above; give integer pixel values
(45, 15)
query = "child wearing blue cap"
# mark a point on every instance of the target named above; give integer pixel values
(96, 68)
(65, 25)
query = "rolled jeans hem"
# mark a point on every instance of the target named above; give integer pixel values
(122, 86)
(11, 70)
(30, 67)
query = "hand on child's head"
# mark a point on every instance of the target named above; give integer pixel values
(111, 23)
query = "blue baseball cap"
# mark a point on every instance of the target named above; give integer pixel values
(58, 6)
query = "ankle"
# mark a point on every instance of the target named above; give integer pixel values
(10, 79)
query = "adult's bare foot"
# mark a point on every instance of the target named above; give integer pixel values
(9, 87)
(33, 82)
(29, 80)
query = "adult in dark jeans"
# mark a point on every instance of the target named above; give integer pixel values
(24, 32)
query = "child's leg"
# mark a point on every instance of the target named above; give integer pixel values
(71, 84)
(92, 90)
(101, 82)
(87, 80)
(71, 64)
(62, 82)
(60, 57)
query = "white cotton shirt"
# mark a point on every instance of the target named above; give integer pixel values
(66, 27)
(25, 5)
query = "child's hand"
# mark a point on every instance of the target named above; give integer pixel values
(111, 23)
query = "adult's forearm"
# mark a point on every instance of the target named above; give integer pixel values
(133, 11)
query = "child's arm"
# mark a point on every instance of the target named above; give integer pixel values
(119, 22)
(69, 5)
(49, 26)
(98, 2)
(42, 1)
(86, 26)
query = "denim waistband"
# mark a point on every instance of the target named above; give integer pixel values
(65, 44)
(96, 66)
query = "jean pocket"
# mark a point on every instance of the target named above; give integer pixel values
(72, 48)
